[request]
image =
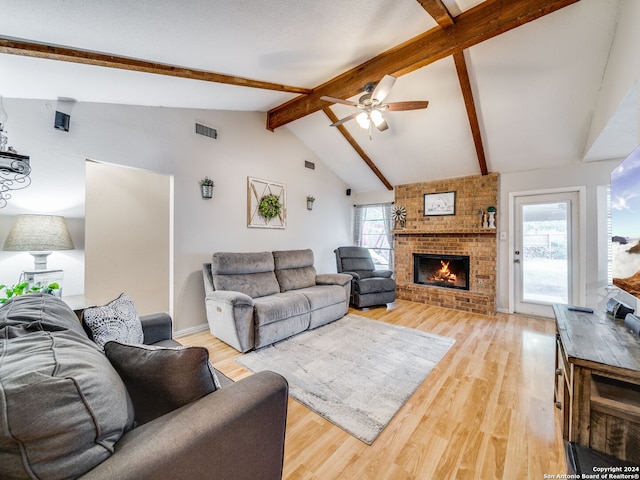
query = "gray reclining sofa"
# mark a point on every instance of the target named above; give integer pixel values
(256, 299)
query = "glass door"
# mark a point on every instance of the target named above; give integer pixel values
(545, 252)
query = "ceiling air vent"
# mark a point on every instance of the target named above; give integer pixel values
(206, 131)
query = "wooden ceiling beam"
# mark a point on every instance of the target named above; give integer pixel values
(438, 12)
(485, 21)
(50, 52)
(352, 141)
(467, 94)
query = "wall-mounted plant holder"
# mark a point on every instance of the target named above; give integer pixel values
(206, 187)
(310, 201)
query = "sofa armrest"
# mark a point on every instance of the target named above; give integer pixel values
(333, 279)
(156, 327)
(230, 297)
(230, 317)
(382, 273)
(356, 276)
(235, 432)
(207, 277)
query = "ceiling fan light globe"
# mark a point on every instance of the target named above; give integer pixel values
(376, 118)
(363, 120)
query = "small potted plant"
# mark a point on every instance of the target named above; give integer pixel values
(206, 187)
(24, 289)
(310, 201)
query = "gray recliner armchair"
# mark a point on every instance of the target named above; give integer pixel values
(369, 286)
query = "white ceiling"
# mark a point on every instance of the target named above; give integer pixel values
(535, 87)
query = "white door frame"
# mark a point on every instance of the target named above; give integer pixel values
(580, 256)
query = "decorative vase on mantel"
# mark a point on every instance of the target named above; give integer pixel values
(492, 217)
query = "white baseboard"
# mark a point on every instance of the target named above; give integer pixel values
(502, 310)
(188, 331)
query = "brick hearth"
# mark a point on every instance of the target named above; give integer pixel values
(459, 234)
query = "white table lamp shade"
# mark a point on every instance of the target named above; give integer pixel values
(39, 235)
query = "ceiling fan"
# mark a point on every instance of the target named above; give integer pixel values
(370, 105)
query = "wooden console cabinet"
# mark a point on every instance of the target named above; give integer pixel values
(597, 388)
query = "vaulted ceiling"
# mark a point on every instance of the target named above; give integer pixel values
(512, 84)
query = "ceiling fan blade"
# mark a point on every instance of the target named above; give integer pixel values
(382, 126)
(345, 119)
(339, 100)
(383, 88)
(414, 105)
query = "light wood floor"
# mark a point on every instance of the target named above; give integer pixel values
(486, 411)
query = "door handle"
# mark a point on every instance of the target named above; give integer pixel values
(516, 260)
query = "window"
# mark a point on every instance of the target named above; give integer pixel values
(372, 229)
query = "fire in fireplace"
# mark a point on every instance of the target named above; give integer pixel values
(448, 271)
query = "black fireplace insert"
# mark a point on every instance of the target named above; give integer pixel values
(447, 271)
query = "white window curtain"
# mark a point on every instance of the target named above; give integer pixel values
(359, 212)
(388, 230)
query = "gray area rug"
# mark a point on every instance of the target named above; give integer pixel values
(355, 372)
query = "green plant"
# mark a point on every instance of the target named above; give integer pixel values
(491, 209)
(270, 206)
(310, 198)
(24, 289)
(206, 182)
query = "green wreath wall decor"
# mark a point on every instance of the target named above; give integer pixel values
(270, 206)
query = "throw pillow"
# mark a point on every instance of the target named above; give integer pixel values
(161, 379)
(63, 405)
(117, 321)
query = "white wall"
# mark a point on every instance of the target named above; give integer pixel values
(128, 240)
(623, 68)
(591, 176)
(377, 196)
(162, 140)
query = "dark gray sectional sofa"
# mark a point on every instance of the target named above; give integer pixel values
(65, 412)
(258, 298)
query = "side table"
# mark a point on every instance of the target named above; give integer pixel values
(78, 303)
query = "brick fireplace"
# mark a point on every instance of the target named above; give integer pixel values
(450, 237)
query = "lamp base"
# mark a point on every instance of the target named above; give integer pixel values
(40, 260)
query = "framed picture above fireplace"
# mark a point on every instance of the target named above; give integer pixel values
(442, 203)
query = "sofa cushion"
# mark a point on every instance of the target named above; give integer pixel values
(63, 406)
(279, 307)
(322, 296)
(251, 273)
(294, 269)
(375, 285)
(117, 321)
(161, 379)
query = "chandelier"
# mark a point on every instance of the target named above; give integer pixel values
(14, 168)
